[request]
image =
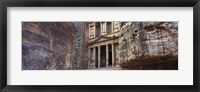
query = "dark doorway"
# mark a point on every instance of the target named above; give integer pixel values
(103, 56)
(96, 57)
(110, 54)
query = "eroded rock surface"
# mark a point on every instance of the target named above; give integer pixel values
(47, 45)
(148, 38)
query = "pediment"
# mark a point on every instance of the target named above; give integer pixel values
(101, 39)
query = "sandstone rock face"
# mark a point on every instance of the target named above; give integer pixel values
(148, 38)
(47, 45)
(81, 58)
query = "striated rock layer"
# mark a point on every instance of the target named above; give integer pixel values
(47, 45)
(148, 38)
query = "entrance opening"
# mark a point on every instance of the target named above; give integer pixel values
(91, 57)
(110, 54)
(103, 56)
(96, 56)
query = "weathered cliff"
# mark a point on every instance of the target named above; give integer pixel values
(148, 39)
(48, 45)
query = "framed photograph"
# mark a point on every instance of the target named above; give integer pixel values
(87, 45)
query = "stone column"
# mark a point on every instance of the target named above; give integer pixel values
(113, 55)
(89, 32)
(101, 28)
(112, 27)
(99, 56)
(105, 28)
(94, 29)
(89, 55)
(94, 53)
(107, 57)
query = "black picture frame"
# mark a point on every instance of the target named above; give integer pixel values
(100, 3)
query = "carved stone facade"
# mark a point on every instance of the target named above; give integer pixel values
(103, 44)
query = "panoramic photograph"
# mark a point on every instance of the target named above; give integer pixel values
(100, 45)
